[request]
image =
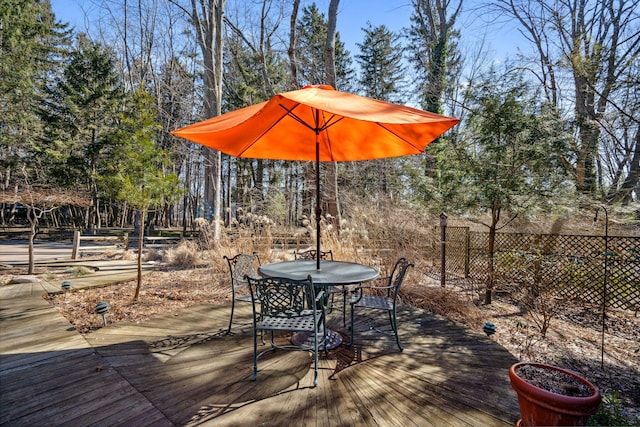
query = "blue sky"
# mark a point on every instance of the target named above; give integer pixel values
(353, 15)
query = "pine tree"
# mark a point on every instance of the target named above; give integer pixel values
(509, 156)
(83, 105)
(140, 176)
(31, 46)
(312, 30)
(381, 77)
(380, 60)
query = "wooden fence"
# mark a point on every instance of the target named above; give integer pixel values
(574, 266)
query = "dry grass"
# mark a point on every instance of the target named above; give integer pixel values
(445, 302)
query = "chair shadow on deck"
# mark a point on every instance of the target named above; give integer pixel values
(202, 376)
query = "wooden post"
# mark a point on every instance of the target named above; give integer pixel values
(76, 245)
(467, 252)
(443, 241)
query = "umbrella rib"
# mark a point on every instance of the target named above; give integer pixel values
(399, 137)
(275, 122)
(316, 129)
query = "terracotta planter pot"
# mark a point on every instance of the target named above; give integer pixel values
(540, 407)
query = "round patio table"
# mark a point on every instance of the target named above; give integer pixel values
(331, 273)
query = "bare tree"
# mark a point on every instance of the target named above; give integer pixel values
(41, 201)
(206, 16)
(293, 43)
(592, 43)
(333, 204)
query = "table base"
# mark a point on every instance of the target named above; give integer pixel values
(305, 340)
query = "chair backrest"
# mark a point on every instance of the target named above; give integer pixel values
(397, 276)
(311, 255)
(243, 265)
(282, 297)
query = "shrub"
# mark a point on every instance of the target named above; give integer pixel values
(184, 255)
(610, 413)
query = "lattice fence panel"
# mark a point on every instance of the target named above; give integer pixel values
(573, 265)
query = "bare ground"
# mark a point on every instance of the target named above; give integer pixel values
(574, 340)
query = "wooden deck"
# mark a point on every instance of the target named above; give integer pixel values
(181, 369)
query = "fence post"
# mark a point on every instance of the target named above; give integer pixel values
(76, 245)
(443, 241)
(467, 252)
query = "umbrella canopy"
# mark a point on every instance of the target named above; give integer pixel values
(320, 124)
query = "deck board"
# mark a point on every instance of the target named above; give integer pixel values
(183, 369)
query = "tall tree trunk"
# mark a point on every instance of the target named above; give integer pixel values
(208, 26)
(432, 22)
(331, 184)
(293, 61)
(495, 217)
(140, 245)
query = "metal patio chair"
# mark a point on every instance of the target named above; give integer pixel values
(381, 298)
(241, 266)
(310, 254)
(286, 305)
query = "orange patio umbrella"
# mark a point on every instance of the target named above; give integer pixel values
(318, 123)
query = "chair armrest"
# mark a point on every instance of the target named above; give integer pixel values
(360, 288)
(359, 291)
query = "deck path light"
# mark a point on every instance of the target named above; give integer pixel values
(103, 308)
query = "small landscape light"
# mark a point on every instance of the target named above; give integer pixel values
(66, 286)
(103, 308)
(489, 328)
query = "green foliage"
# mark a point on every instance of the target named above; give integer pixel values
(434, 50)
(611, 413)
(276, 207)
(31, 46)
(139, 176)
(312, 30)
(83, 104)
(380, 60)
(507, 156)
(244, 82)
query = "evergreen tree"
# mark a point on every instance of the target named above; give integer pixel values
(381, 77)
(380, 60)
(509, 155)
(312, 31)
(84, 105)
(31, 46)
(139, 167)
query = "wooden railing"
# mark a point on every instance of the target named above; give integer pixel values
(104, 243)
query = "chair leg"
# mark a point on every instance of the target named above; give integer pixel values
(233, 304)
(255, 355)
(394, 325)
(351, 341)
(344, 305)
(315, 360)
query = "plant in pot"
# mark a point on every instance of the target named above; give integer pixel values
(552, 396)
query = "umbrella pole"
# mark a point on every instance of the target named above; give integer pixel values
(318, 208)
